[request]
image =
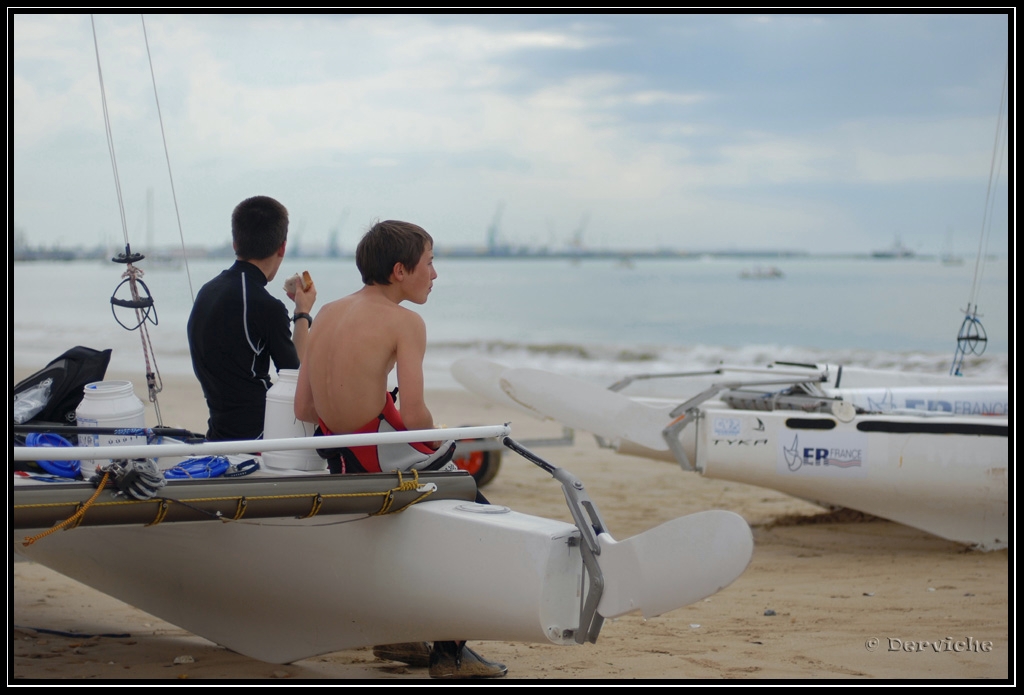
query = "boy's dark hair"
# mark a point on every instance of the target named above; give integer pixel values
(259, 225)
(387, 243)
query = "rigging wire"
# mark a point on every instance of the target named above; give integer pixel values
(167, 156)
(142, 305)
(972, 338)
(110, 137)
(993, 174)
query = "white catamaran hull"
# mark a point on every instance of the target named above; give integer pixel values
(280, 588)
(927, 458)
(935, 475)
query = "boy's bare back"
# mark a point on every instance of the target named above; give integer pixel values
(357, 341)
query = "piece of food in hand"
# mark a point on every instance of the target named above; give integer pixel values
(292, 283)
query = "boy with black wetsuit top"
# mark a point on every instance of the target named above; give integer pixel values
(237, 328)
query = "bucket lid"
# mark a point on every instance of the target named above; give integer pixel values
(108, 390)
(108, 387)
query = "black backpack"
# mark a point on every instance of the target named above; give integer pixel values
(70, 373)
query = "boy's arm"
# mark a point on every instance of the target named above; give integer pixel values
(304, 300)
(412, 346)
(304, 408)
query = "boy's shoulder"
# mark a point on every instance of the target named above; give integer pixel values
(359, 306)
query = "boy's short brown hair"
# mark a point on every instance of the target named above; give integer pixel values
(387, 243)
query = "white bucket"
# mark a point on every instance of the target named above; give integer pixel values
(110, 404)
(280, 422)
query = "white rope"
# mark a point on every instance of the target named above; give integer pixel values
(986, 219)
(167, 156)
(109, 132)
(971, 338)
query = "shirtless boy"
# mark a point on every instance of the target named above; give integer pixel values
(359, 340)
(343, 379)
(362, 337)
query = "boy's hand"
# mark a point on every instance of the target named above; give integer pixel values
(301, 290)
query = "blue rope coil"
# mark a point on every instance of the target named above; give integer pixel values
(64, 469)
(205, 467)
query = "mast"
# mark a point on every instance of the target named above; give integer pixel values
(972, 338)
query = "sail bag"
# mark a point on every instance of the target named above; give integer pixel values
(55, 391)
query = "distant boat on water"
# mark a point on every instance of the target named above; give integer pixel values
(897, 250)
(759, 273)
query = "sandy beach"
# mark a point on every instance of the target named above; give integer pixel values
(825, 597)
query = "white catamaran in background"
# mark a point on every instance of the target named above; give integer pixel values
(929, 451)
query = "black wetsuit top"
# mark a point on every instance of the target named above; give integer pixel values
(234, 331)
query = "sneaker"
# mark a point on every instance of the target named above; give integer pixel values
(415, 654)
(456, 660)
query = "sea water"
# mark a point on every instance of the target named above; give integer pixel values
(598, 319)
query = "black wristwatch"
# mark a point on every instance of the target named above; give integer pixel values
(303, 315)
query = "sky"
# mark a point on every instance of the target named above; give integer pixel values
(824, 133)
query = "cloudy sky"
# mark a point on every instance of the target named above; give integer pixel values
(824, 133)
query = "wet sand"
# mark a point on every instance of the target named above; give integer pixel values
(836, 596)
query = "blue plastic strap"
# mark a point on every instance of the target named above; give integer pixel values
(64, 469)
(205, 467)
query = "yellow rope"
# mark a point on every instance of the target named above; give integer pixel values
(76, 522)
(317, 500)
(161, 513)
(389, 497)
(403, 486)
(193, 500)
(72, 520)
